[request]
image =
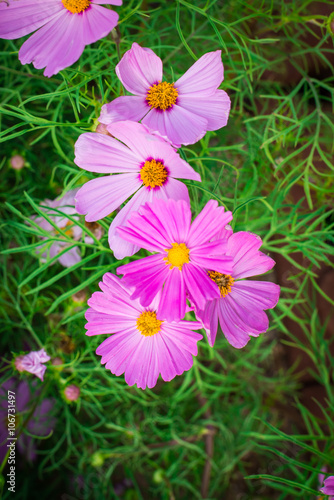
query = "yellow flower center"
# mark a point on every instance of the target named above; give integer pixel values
(153, 173)
(162, 95)
(148, 324)
(177, 255)
(224, 282)
(76, 6)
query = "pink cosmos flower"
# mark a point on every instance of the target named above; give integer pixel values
(141, 347)
(184, 252)
(182, 111)
(66, 205)
(41, 422)
(328, 488)
(146, 165)
(33, 363)
(240, 307)
(64, 28)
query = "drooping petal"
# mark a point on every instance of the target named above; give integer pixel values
(209, 221)
(214, 108)
(139, 69)
(209, 317)
(62, 40)
(124, 108)
(178, 124)
(103, 154)
(248, 260)
(258, 294)
(56, 45)
(99, 197)
(21, 18)
(235, 335)
(203, 77)
(244, 313)
(172, 305)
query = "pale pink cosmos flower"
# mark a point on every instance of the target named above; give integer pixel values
(65, 205)
(33, 363)
(184, 252)
(146, 167)
(142, 347)
(240, 307)
(182, 111)
(64, 28)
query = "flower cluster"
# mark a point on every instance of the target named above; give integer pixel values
(198, 267)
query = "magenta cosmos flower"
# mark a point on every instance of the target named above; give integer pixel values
(141, 347)
(240, 307)
(146, 165)
(33, 363)
(182, 111)
(184, 252)
(64, 28)
(328, 488)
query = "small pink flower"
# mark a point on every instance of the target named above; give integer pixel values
(147, 167)
(328, 488)
(182, 111)
(65, 205)
(141, 347)
(33, 363)
(72, 392)
(17, 162)
(183, 252)
(240, 307)
(64, 28)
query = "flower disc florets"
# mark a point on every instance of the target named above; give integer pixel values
(162, 96)
(148, 324)
(224, 282)
(76, 6)
(153, 173)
